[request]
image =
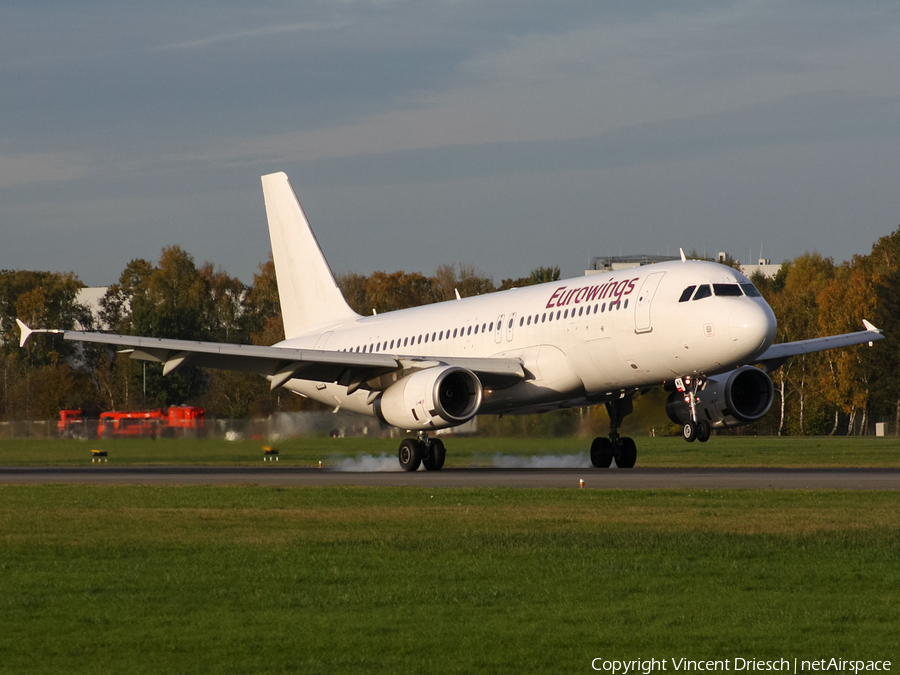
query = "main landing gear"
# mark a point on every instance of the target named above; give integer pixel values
(620, 448)
(694, 429)
(428, 452)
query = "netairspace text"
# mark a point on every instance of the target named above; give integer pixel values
(738, 664)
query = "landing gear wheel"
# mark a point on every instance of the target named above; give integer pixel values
(689, 431)
(434, 455)
(410, 454)
(703, 431)
(601, 453)
(627, 453)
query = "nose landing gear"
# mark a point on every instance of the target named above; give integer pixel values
(694, 429)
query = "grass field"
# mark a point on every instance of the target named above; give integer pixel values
(652, 452)
(393, 580)
(408, 580)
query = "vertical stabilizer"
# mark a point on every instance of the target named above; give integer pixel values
(306, 287)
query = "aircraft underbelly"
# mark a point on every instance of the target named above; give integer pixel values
(549, 378)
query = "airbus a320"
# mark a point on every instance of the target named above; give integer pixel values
(699, 329)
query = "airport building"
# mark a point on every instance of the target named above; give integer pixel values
(90, 297)
(613, 263)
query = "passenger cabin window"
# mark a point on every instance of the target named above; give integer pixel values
(750, 291)
(727, 290)
(686, 294)
(703, 292)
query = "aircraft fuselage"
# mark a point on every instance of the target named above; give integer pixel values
(582, 340)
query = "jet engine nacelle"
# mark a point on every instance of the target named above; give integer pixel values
(433, 398)
(738, 397)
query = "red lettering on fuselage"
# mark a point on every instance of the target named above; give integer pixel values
(563, 295)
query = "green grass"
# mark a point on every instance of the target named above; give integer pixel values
(393, 580)
(652, 452)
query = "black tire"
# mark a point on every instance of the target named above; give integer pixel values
(410, 454)
(434, 458)
(703, 431)
(601, 453)
(689, 431)
(627, 453)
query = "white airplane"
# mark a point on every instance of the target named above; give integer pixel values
(695, 328)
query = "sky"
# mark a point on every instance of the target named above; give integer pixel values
(504, 135)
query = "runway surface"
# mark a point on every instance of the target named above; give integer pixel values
(707, 478)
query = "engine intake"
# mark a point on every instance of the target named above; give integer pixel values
(434, 398)
(738, 397)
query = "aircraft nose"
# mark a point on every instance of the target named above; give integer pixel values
(752, 326)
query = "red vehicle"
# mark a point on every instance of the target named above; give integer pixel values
(171, 422)
(185, 417)
(71, 423)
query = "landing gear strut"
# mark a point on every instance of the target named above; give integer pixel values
(422, 450)
(620, 448)
(694, 429)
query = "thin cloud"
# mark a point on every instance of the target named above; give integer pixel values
(22, 169)
(251, 34)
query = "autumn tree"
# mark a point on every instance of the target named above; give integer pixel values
(539, 275)
(797, 311)
(353, 288)
(398, 290)
(225, 319)
(843, 302)
(172, 299)
(465, 279)
(882, 365)
(36, 381)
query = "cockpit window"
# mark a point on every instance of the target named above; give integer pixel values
(729, 290)
(686, 295)
(750, 291)
(703, 292)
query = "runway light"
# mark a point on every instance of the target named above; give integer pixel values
(581, 482)
(320, 463)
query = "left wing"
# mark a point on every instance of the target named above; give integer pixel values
(776, 355)
(280, 364)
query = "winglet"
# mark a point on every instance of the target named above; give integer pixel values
(870, 327)
(683, 257)
(25, 332)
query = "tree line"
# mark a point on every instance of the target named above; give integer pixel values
(836, 392)
(176, 298)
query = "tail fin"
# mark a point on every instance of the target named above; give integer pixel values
(306, 287)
